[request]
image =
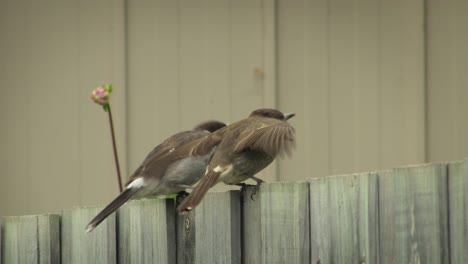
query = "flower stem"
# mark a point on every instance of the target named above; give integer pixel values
(116, 158)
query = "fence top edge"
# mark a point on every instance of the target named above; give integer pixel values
(30, 216)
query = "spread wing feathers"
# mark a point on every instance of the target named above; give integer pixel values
(196, 196)
(204, 145)
(276, 138)
(110, 208)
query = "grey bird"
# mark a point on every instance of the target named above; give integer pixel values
(243, 149)
(165, 170)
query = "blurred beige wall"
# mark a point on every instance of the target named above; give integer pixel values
(372, 86)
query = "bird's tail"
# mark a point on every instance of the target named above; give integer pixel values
(110, 208)
(199, 191)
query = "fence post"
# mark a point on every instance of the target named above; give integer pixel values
(413, 215)
(276, 224)
(99, 246)
(30, 239)
(147, 231)
(458, 210)
(211, 232)
(344, 219)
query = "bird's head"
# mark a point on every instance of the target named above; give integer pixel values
(210, 126)
(271, 113)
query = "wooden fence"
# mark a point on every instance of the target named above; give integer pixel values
(406, 215)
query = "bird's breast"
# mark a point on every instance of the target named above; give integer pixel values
(246, 164)
(187, 171)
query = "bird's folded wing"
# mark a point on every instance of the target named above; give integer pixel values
(167, 146)
(272, 138)
(171, 149)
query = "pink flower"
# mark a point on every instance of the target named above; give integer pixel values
(101, 95)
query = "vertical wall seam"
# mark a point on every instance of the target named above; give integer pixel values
(126, 87)
(379, 83)
(379, 249)
(329, 128)
(178, 74)
(447, 181)
(425, 81)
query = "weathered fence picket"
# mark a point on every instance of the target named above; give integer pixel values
(413, 215)
(146, 231)
(458, 204)
(98, 246)
(344, 219)
(276, 224)
(211, 233)
(30, 239)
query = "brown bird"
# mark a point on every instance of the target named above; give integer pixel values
(245, 148)
(165, 170)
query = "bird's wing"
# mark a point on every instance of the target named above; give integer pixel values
(172, 143)
(165, 152)
(271, 136)
(205, 144)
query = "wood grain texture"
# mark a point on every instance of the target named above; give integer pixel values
(458, 210)
(276, 224)
(49, 238)
(30, 239)
(344, 219)
(212, 232)
(147, 231)
(98, 246)
(413, 215)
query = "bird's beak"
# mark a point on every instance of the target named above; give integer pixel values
(289, 115)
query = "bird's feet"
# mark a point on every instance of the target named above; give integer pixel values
(256, 187)
(243, 189)
(180, 197)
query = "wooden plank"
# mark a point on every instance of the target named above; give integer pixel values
(413, 215)
(458, 211)
(98, 246)
(20, 241)
(211, 233)
(276, 224)
(147, 231)
(30, 239)
(49, 238)
(344, 219)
